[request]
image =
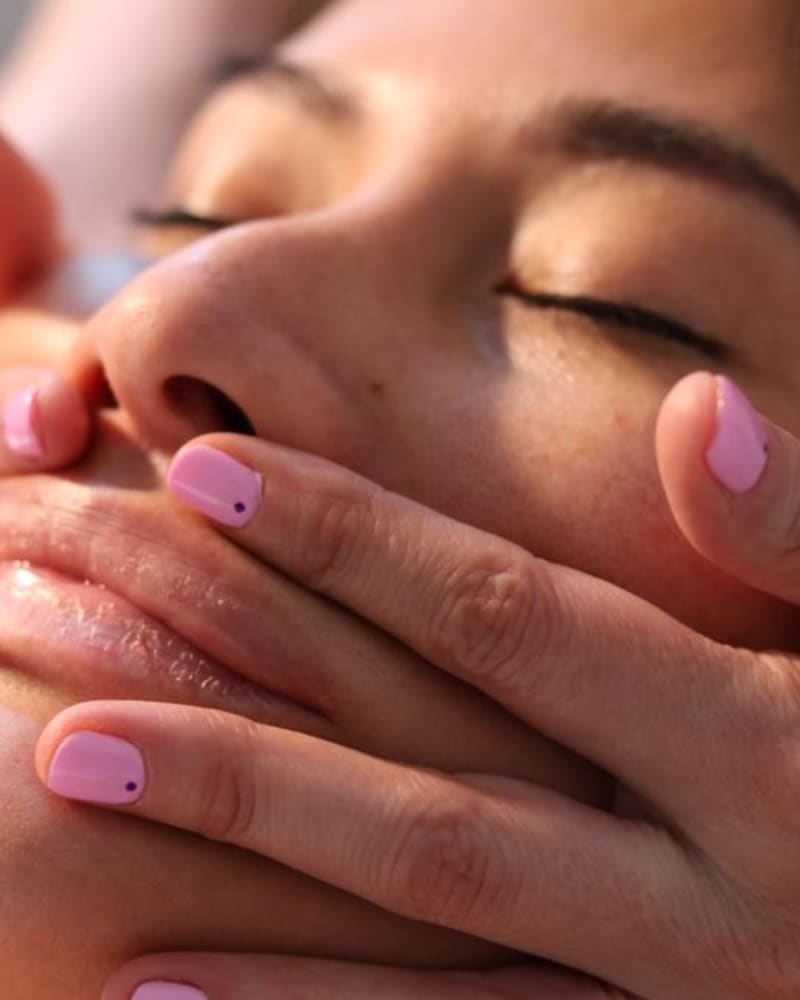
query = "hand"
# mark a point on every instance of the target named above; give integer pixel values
(693, 892)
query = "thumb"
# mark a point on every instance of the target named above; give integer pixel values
(732, 479)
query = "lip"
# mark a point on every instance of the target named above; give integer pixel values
(86, 634)
(131, 599)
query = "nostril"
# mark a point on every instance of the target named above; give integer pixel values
(232, 416)
(205, 405)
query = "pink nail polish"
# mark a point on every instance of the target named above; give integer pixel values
(740, 450)
(96, 767)
(216, 485)
(168, 991)
(20, 419)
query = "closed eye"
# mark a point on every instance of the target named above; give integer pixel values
(611, 313)
(176, 218)
(619, 314)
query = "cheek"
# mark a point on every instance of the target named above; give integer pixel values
(563, 463)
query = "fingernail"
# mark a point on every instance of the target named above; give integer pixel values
(740, 450)
(216, 485)
(168, 991)
(96, 767)
(20, 417)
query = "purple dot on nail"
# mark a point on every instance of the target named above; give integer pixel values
(239, 507)
(131, 786)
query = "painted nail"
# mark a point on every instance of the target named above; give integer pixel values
(216, 485)
(740, 450)
(96, 767)
(20, 419)
(168, 991)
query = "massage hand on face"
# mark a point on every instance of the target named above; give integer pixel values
(521, 565)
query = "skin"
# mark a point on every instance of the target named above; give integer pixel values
(533, 426)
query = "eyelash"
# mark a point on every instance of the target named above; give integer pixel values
(176, 218)
(618, 314)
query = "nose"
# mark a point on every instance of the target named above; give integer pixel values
(259, 329)
(27, 230)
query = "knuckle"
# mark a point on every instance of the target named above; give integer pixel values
(729, 943)
(482, 624)
(227, 802)
(763, 966)
(334, 527)
(448, 868)
(766, 735)
(777, 974)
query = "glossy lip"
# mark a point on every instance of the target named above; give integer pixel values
(165, 571)
(90, 639)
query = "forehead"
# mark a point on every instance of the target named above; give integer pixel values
(454, 28)
(736, 61)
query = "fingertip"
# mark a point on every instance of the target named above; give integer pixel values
(172, 973)
(82, 715)
(684, 431)
(739, 453)
(49, 739)
(216, 485)
(45, 421)
(724, 470)
(64, 420)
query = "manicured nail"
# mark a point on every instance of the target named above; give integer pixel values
(740, 450)
(96, 767)
(20, 419)
(168, 991)
(216, 485)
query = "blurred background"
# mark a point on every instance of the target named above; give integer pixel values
(12, 14)
(101, 92)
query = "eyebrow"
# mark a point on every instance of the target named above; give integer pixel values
(587, 129)
(604, 130)
(321, 97)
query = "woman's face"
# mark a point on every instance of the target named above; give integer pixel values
(411, 172)
(431, 193)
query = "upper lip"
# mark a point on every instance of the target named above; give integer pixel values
(171, 566)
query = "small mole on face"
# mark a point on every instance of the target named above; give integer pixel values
(239, 507)
(131, 786)
(377, 388)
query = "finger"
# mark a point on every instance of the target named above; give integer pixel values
(45, 421)
(527, 871)
(732, 479)
(576, 658)
(224, 976)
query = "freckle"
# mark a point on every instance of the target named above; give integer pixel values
(131, 786)
(377, 388)
(239, 507)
